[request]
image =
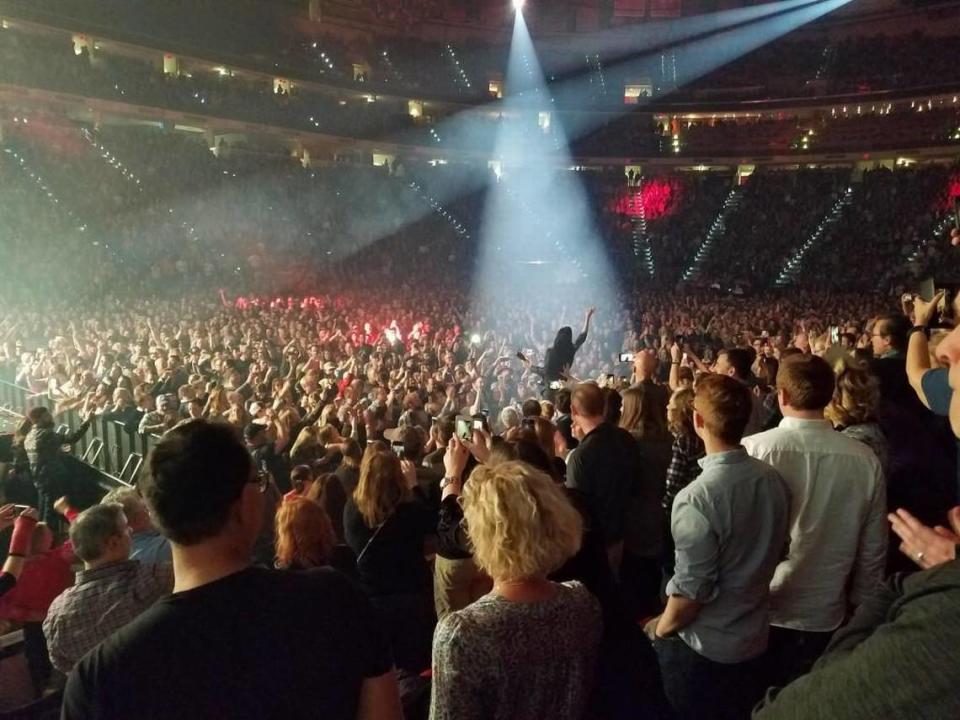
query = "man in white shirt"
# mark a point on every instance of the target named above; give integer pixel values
(838, 538)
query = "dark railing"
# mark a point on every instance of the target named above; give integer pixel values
(113, 449)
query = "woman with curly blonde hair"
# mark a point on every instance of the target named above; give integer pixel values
(853, 409)
(529, 648)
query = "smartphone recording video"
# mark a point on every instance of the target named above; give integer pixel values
(626, 357)
(464, 427)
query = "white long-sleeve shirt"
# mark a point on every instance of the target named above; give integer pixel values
(838, 529)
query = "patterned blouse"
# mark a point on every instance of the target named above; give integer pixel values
(503, 660)
(684, 467)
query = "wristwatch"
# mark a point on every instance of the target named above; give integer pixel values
(920, 329)
(448, 481)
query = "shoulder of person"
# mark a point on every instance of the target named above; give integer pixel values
(576, 589)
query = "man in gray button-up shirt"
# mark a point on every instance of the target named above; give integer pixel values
(730, 528)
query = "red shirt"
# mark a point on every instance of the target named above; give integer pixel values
(44, 578)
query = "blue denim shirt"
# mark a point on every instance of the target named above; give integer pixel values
(730, 530)
(150, 548)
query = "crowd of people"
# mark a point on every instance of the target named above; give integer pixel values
(724, 487)
(377, 489)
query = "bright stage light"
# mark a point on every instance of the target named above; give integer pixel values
(518, 4)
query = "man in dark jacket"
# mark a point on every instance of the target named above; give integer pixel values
(604, 468)
(47, 461)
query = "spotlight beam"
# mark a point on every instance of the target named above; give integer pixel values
(702, 46)
(538, 233)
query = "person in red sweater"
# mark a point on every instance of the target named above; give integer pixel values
(23, 526)
(46, 573)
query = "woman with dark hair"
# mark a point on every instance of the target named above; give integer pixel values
(47, 462)
(559, 357)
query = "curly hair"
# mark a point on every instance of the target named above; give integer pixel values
(520, 522)
(680, 418)
(856, 398)
(304, 533)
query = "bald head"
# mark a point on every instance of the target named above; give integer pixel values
(588, 401)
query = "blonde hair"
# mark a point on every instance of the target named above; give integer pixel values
(306, 440)
(856, 398)
(519, 521)
(381, 487)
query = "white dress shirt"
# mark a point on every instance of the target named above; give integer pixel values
(838, 529)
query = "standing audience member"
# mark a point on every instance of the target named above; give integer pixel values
(47, 462)
(736, 363)
(838, 537)
(527, 650)
(246, 622)
(110, 591)
(897, 657)
(646, 421)
(23, 525)
(854, 409)
(684, 468)
(729, 528)
(149, 546)
(604, 469)
(385, 522)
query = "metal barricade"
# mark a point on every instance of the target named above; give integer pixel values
(19, 399)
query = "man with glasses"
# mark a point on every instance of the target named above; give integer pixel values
(233, 640)
(110, 591)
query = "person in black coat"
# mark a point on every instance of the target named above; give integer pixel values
(47, 462)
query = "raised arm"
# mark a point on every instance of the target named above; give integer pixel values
(918, 349)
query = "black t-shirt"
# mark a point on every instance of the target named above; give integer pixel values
(256, 644)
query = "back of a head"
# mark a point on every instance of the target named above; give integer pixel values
(509, 418)
(194, 476)
(40, 417)
(381, 486)
(562, 401)
(304, 534)
(352, 454)
(725, 406)
(588, 401)
(92, 530)
(807, 380)
(520, 522)
(681, 417)
(413, 442)
(631, 415)
(133, 505)
(530, 408)
(741, 359)
(612, 406)
(446, 426)
(563, 339)
(856, 399)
